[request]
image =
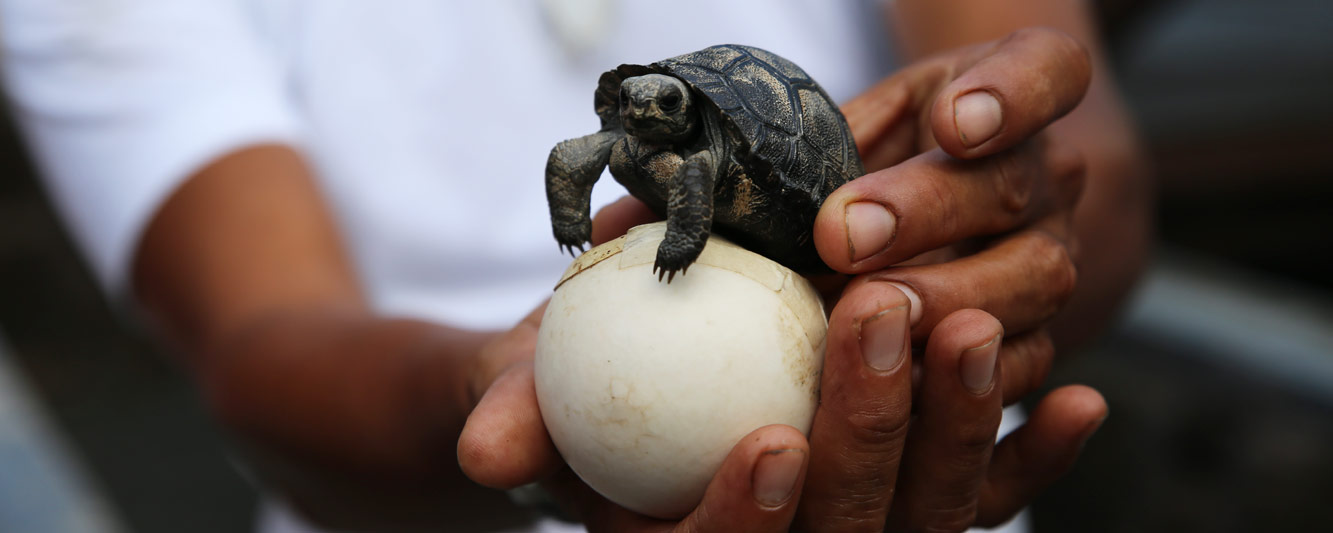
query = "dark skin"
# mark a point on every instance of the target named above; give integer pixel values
(366, 421)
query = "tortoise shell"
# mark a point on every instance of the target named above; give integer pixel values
(786, 125)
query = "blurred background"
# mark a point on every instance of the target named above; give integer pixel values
(1219, 377)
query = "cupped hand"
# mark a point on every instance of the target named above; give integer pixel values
(860, 435)
(887, 454)
(866, 470)
(979, 203)
(962, 237)
(505, 444)
(976, 210)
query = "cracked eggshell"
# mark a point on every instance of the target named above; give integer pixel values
(646, 386)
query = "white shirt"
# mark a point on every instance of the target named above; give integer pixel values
(428, 123)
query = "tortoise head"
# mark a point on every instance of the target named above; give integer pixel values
(657, 108)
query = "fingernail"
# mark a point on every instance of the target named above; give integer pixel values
(913, 297)
(775, 476)
(978, 117)
(882, 336)
(977, 366)
(870, 227)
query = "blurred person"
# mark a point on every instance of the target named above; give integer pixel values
(333, 213)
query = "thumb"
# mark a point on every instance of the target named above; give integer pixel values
(504, 443)
(755, 490)
(757, 487)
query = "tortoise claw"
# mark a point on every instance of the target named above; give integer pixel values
(569, 248)
(668, 273)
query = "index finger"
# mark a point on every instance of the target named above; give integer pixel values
(1031, 78)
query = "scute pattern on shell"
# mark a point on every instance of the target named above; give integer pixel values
(783, 116)
(786, 120)
(782, 142)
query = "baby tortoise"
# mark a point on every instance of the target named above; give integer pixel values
(731, 134)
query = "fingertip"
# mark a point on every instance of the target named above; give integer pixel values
(963, 330)
(504, 443)
(776, 474)
(869, 334)
(764, 442)
(1042, 450)
(477, 456)
(1062, 422)
(973, 117)
(866, 295)
(977, 117)
(757, 486)
(965, 118)
(962, 360)
(1031, 78)
(1082, 405)
(830, 231)
(781, 436)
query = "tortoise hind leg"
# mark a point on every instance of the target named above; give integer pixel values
(571, 170)
(689, 215)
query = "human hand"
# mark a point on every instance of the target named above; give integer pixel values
(505, 444)
(970, 208)
(887, 453)
(976, 210)
(859, 433)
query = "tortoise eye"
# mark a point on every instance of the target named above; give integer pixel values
(669, 102)
(624, 99)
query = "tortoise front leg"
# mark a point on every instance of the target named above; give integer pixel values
(689, 215)
(571, 170)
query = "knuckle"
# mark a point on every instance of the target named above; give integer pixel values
(1013, 183)
(1068, 48)
(946, 208)
(1067, 171)
(1056, 266)
(1029, 34)
(1078, 56)
(972, 446)
(850, 522)
(860, 509)
(949, 515)
(879, 426)
(1069, 58)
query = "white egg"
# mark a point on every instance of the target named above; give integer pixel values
(646, 386)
